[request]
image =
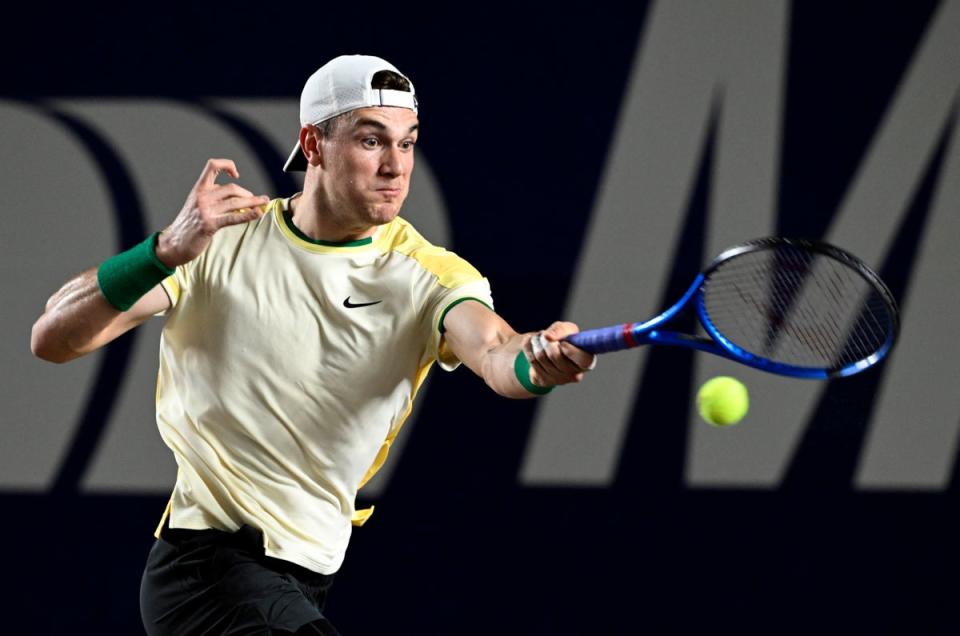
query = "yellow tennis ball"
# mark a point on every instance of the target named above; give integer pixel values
(723, 401)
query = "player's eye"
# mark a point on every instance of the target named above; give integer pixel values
(407, 144)
(370, 142)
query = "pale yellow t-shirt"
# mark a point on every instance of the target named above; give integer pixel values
(287, 368)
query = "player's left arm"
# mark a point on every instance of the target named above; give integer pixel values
(483, 341)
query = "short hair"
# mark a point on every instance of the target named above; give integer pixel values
(382, 80)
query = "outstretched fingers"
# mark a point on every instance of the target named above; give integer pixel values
(208, 177)
(229, 203)
(209, 207)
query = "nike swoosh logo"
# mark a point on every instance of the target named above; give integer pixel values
(350, 305)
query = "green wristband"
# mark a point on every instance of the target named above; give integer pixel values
(521, 367)
(126, 277)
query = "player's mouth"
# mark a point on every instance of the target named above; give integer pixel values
(390, 193)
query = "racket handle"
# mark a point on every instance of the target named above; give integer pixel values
(605, 339)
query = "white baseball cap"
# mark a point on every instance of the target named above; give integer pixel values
(341, 85)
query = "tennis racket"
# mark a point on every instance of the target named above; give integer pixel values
(794, 307)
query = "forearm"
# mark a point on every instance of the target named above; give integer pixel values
(74, 318)
(508, 361)
(84, 315)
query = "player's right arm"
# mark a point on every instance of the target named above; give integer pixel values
(79, 318)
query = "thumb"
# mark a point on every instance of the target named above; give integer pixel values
(560, 330)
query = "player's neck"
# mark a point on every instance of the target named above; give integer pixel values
(321, 224)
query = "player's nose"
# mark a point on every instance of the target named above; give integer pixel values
(392, 162)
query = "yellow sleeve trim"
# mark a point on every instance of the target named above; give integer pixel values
(172, 287)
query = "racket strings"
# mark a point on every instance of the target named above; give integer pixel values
(811, 334)
(797, 307)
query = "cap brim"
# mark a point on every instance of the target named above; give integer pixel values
(297, 161)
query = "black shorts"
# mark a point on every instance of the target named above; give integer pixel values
(220, 583)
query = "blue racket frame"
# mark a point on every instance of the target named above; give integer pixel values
(629, 335)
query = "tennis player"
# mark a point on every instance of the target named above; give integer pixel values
(297, 333)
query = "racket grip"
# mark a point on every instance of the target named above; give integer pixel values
(603, 340)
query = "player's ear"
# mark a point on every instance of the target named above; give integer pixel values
(311, 146)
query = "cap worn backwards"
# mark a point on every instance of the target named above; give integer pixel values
(341, 85)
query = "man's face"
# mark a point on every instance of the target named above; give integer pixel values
(367, 164)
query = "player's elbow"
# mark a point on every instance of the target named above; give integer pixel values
(45, 345)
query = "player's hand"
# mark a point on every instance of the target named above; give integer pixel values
(553, 361)
(209, 207)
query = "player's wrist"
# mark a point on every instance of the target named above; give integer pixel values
(125, 278)
(521, 368)
(164, 252)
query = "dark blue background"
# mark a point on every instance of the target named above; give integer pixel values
(457, 546)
